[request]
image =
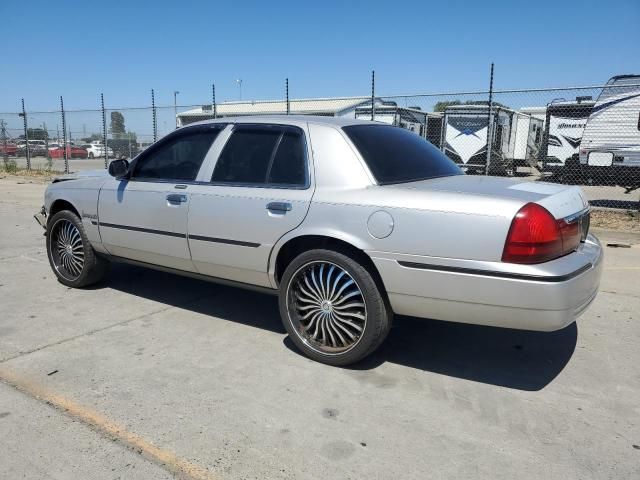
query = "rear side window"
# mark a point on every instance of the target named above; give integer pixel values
(267, 156)
(396, 155)
(178, 158)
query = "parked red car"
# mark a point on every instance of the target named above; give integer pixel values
(72, 152)
(9, 149)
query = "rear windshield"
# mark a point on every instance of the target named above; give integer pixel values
(396, 155)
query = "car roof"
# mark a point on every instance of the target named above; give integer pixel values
(296, 120)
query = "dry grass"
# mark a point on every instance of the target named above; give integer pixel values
(619, 220)
(27, 176)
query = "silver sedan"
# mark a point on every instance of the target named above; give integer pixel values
(349, 222)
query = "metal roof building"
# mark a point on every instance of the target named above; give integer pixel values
(333, 107)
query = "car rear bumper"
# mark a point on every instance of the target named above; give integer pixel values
(41, 217)
(544, 297)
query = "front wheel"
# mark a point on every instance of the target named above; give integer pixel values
(332, 307)
(71, 256)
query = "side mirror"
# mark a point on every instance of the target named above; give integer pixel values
(118, 168)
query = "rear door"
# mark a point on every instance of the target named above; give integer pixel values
(144, 217)
(259, 188)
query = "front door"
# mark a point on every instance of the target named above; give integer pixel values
(144, 216)
(260, 189)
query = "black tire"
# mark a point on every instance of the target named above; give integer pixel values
(93, 268)
(91, 155)
(375, 309)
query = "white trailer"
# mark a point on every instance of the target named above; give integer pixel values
(515, 138)
(564, 127)
(426, 124)
(611, 136)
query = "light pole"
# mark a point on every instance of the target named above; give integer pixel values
(239, 82)
(175, 105)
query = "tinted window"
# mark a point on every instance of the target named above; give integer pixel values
(288, 166)
(255, 155)
(397, 155)
(179, 158)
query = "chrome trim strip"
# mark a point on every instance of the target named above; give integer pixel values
(493, 273)
(575, 216)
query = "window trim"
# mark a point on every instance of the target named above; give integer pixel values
(268, 127)
(181, 132)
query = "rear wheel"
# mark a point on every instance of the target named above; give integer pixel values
(332, 307)
(71, 256)
(90, 154)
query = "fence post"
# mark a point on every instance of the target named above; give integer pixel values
(490, 122)
(373, 97)
(26, 136)
(3, 134)
(153, 108)
(213, 95)
(104, 132)
(64, 137)
(287, 90)
(46, 145)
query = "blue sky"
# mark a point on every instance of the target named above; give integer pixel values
(326, 48)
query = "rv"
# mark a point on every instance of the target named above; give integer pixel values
(426, 124)
(564, 126)
(515, 138)
(610, 144)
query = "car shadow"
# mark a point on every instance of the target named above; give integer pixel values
(517, 359)
(238, 305)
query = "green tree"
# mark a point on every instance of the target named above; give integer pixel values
(37, 134)
(117, 124)
(94, 137)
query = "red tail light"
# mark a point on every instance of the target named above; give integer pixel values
(536, 236)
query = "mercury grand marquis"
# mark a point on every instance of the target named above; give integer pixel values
(349, 222)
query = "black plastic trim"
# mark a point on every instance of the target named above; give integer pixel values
(493, 273)
(224, 240)
(179, 235)
(143, 230)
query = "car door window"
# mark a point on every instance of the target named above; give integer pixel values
(268, 156)
(179, 158)
(288, 166)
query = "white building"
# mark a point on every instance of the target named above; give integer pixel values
(332, 107)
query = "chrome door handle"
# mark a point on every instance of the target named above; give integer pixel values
(175, 198)
(280, 207)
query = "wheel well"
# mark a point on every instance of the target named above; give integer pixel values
(60, 205)
(298, 245)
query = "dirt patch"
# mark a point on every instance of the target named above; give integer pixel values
(28, 176)
(620, 220)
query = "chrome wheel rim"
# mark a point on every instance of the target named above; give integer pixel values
(326, 307)
(67, 250)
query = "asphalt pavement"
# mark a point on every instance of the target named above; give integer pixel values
(150, 375)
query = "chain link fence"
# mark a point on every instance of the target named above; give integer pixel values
(588, 135)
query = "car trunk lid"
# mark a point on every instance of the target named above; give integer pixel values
(561, 201)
